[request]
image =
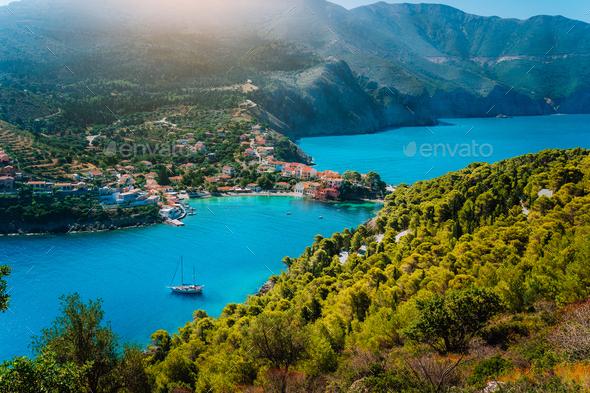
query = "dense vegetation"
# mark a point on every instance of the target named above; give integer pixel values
(476, 291)
(475, 278)
(38, 209)
(20, 107)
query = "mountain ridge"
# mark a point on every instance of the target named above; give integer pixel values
(447, 62)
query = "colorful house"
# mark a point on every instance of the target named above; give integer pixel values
(64, 186)
(6, 182)
(200, 147)
(327, 174)
(327, 193)
(308, 173)
(282, 186)
(40, 185)
(279, 166)
(312, 188)
(302, 187)
(94, 174)
(229, 171)
(335, 182)
(188, 166)
(266, 151)
(253, 187)
(7, 171)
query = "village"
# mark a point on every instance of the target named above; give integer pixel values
(132, 183)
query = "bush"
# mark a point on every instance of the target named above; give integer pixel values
(399, 380)
(504, 333)
(447, 323)
(489, 368)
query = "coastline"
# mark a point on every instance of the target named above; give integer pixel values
(288, 194)
(61, 227)
(60, 230)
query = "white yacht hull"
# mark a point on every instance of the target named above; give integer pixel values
(187, 290)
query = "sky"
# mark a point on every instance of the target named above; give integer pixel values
(521, 9)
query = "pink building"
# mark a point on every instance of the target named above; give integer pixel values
(6, 182)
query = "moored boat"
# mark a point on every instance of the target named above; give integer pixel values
(185, 288)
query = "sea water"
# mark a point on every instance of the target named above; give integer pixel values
(455, 143)
(234, 244)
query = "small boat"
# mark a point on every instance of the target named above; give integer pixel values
(289, 213)
(321, 217)
(185, 288)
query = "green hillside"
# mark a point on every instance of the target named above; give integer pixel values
(475, 292)
(374, 322)
(19, 107)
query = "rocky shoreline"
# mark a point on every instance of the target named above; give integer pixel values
(72, 226)
(267, 287)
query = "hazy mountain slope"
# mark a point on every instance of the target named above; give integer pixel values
(321, 68)
(331, 99)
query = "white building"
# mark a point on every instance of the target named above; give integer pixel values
(229, 171)
(253, 187)
(170, 213)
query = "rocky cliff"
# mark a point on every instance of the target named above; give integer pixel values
(338, 101)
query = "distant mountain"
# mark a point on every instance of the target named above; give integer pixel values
(321, 68)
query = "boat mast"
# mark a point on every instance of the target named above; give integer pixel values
(194, 282)
(181, 272)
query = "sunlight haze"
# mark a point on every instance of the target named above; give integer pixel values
(575, 9)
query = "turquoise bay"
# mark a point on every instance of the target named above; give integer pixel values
(383, 152)
(235, 243)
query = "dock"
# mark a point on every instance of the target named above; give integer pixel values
(176, 223)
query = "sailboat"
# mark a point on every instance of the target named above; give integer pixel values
(185, 288)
